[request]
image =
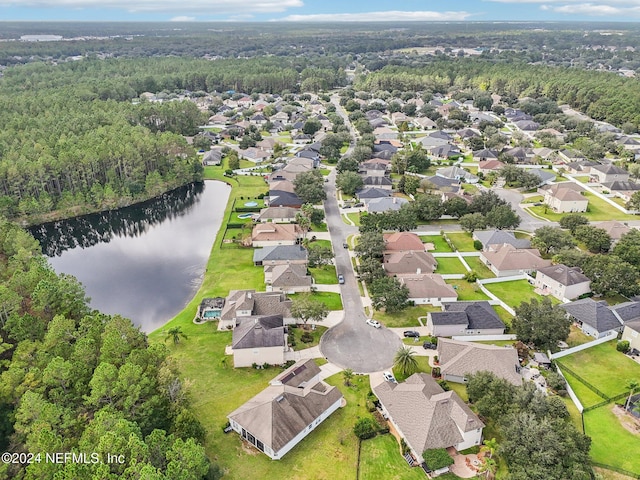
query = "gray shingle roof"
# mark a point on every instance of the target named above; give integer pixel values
(259, 332)
(595, 314)
(564, 275)
(480, 314)
(627, 311)
(384, 204)
(499, 237)
(280, 252)
(373, 192)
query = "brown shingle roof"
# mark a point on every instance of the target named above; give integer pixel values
(403, 241)
(464, 358)
(427, 416)
(259, 332)
(508, 257)
(427, 286)
(265, 232)
(397, 263)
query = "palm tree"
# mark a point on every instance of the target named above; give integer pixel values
(490, 446)
(489, 467)
(175, 333)
(406, 361)
(632, 385)
(347, 375)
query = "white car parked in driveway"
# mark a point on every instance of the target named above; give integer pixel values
(373, 323)
(388, 376)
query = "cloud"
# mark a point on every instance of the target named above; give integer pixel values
(183, 18)
(217, 7)
(390, 16)
(603, 8)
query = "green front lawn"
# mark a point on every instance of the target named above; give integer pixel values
(450, 265)
(467, 291)
(320, 243)
(604, 367)
(405, 319)
(330, 299)
(514, 292)
(480, 268)
(319, 227)
(462, 241)
(316, 333)
(354, 217)
(598, 210)
(423, 367)
(611, 443)
(438, 241)
(325, 274)
(380, 457)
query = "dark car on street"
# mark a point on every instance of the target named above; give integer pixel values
(411, 334)
(429, 346)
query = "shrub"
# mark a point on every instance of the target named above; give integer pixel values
(445, 386)
(306, 337)
(623, 346)
(365, 428)
(477, 244)
(265, 365)
(437, 458)
(471, 276)
(435, 372)
(556, 382)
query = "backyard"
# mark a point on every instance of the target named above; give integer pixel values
(438, 242)
(598, 210)
(380, 458)
(462, 241)
(406, 318)
(467, 290)
(450, 265)
(480, 268)
(514, 292)
(330, 299)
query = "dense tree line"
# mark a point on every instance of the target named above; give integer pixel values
(75, 380)
(602, 96)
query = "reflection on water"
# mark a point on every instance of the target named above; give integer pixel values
(143, 261)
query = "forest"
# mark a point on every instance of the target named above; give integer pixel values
(75, 380)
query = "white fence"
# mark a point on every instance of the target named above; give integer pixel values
(584, 346)
(483, 338)
(570, 391)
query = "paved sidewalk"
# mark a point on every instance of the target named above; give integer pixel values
(307, 353)
(328, 369)
(323, 287)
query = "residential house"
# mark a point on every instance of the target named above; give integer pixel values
(212, 158)
(489, 166)
(442, 184)
(278, 214)
(270, 234)
(291, 278)
(385, 204)
(615, 230)
(282, 175)
(374, 168)
(244, 303)
(282, 186)
(622, 189)
(485, 154)
(562, 282)
(445, 152)
(283, 198)
(281, 255)
(594, 318)
(460, 359)
(425, 123)
(409, 262)
(384, 183)
(259, 339)
(385, 133)
(580, 167)
(465, 318)
(631, 333)
(301, 139)
(403, 242)
(565, 198)
(608, 173)
(367, 194)
(426, 417)
(499, 237)
(527, 125)
(428, 289)
(291, 407)
(547, 177)
(457, 173)
(629, 143)
(506, 260)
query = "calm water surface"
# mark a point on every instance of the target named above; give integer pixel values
(146, 261)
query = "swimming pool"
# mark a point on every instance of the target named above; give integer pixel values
(251, 204)
(245, 215)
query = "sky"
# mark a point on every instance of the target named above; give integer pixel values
(320, 10)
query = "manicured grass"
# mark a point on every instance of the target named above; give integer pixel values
(615, 299)
(423, 367)
(319, 227)
(325, 274)
(320, 243)
(576, 337)
(480, 268)
(380, 457)
(462, 241)
(469, 188)
(514, 292)
(598, 210)
(612, 444)
(467, 291)
(584, 179)
(604, 367)
(416, 341)
(330, 299)
(460, 389)
(497, 343)
(354, 217)
(586, 396)
(438, 241)
(315, 333)
(450, 265)
(324, 171)
(534, 199)
(406, 318)
(505, 316)
(522, 235)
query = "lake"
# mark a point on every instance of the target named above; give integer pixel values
(146, 261)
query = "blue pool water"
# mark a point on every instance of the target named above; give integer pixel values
(245, 215)
(251, 204)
